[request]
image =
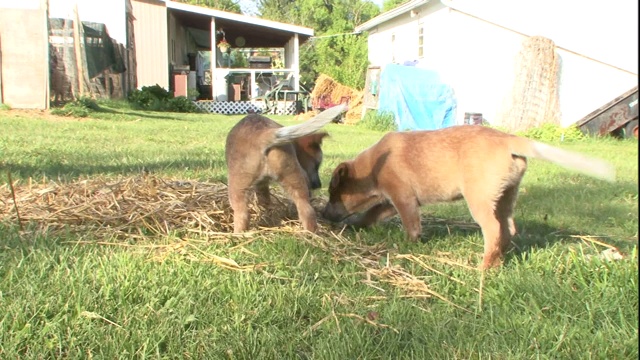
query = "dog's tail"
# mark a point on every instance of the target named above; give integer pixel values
(568, 159)
(289, 133)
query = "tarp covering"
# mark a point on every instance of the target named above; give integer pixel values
(417, 97)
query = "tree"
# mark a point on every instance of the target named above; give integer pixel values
(224, 5)
(391, 4)
(335, 50)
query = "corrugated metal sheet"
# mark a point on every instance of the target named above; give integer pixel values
(152, 49)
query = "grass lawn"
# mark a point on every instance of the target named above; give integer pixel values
(283, 294)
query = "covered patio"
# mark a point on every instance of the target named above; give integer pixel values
(254, 65)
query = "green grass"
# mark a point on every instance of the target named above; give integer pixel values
(554, 298)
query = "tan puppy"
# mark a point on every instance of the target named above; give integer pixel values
(259, 149)
(405, 170)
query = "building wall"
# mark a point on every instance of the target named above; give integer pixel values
(152, 51)
(477, 58)
(24, 50)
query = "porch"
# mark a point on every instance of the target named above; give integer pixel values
(225, 62)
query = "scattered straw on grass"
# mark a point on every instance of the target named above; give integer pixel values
(134, 207)
(93, 315)
(593, 240)
(118, 212)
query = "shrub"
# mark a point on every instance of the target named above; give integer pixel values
(378, 121)
(553, 133)
(81, 107)
(156, 98)
(181, 104)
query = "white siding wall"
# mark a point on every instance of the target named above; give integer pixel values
(477, 58)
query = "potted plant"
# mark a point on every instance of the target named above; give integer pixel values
(223, 45)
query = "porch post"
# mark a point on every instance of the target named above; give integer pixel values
(296, 62)
(213, 61)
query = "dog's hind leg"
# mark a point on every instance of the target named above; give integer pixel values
(483, 210)
(504, 210)
(239, 199)
(296, 187)
(262, 194)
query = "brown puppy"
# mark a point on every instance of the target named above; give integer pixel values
(259, 150)
(405, 170)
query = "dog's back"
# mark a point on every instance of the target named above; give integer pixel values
(247, 142)
(446, 158)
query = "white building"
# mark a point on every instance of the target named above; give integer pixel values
(473, 44)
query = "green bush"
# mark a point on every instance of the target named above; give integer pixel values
(145, 98)
(378, 121)
(156, 98)
(81, 107)
(553, 133)
(181, 104)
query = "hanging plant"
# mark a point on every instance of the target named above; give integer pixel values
(223, 45)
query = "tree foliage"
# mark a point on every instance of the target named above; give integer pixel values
(390, 4)
(335, 50)
(225, 5)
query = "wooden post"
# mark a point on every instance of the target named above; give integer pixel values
(1, 101)
(78, 50)
(44, 4)
(214, 60)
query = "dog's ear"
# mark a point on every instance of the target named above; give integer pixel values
(317, 138)
(321, 135)
(341, 172)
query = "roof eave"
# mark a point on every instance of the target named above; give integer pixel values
(239, 17)
(386, 16)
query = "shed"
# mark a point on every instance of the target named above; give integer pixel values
(473, 44)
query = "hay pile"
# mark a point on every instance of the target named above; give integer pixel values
(133, 207)
(119, 212)
(533, 100)
(329, 90)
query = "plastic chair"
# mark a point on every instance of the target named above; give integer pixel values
(272, 96)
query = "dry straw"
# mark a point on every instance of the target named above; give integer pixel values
(533, 99)
(192, 213)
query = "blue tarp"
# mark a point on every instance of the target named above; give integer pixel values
(417, 98)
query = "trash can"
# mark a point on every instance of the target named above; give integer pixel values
(472, 118)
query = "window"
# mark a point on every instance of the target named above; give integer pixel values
(420, 41)
(393, 48)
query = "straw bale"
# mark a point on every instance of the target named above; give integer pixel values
(328, 88)
(533, 99)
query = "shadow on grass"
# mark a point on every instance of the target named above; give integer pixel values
(533, 234)
(148, 114)
(68, 172)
